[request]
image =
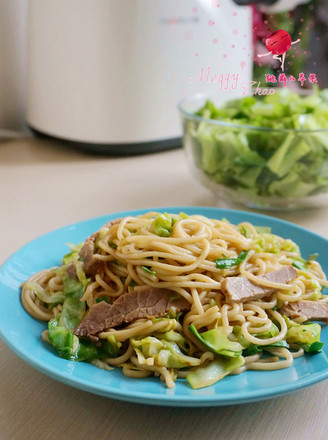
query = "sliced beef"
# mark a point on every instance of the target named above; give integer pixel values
(71, 271)
(241, 289)
(148, 302)
(92, 266)
(312, 310)
(281, 276)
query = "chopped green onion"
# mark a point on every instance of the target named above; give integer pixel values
(146, 269)
(226, 263)
(299, 264)
(112, 245)
(102, 298)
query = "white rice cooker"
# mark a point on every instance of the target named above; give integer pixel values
(106, 76)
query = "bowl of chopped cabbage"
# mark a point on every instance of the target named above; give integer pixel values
(268, 152)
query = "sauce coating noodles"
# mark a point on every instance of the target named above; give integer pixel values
(132, 253)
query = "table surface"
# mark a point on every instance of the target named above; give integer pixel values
(44, 186)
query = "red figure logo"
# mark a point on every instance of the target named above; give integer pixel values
(279, 43)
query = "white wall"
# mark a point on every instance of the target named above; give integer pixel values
(12, 63)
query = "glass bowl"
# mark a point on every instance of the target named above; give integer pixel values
(220, 156)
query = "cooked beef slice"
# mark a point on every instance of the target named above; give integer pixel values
(241, 289)
(71, 271)
(148, 302)
(312, 310)
(92, 266)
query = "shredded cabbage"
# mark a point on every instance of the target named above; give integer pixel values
(216, 370)
(162, 224)
(162, 353)
(216, 341)
(286, 164)
(306, 336)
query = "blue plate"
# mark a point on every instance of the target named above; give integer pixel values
(22, 333)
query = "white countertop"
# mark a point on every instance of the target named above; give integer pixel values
(44, 187)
